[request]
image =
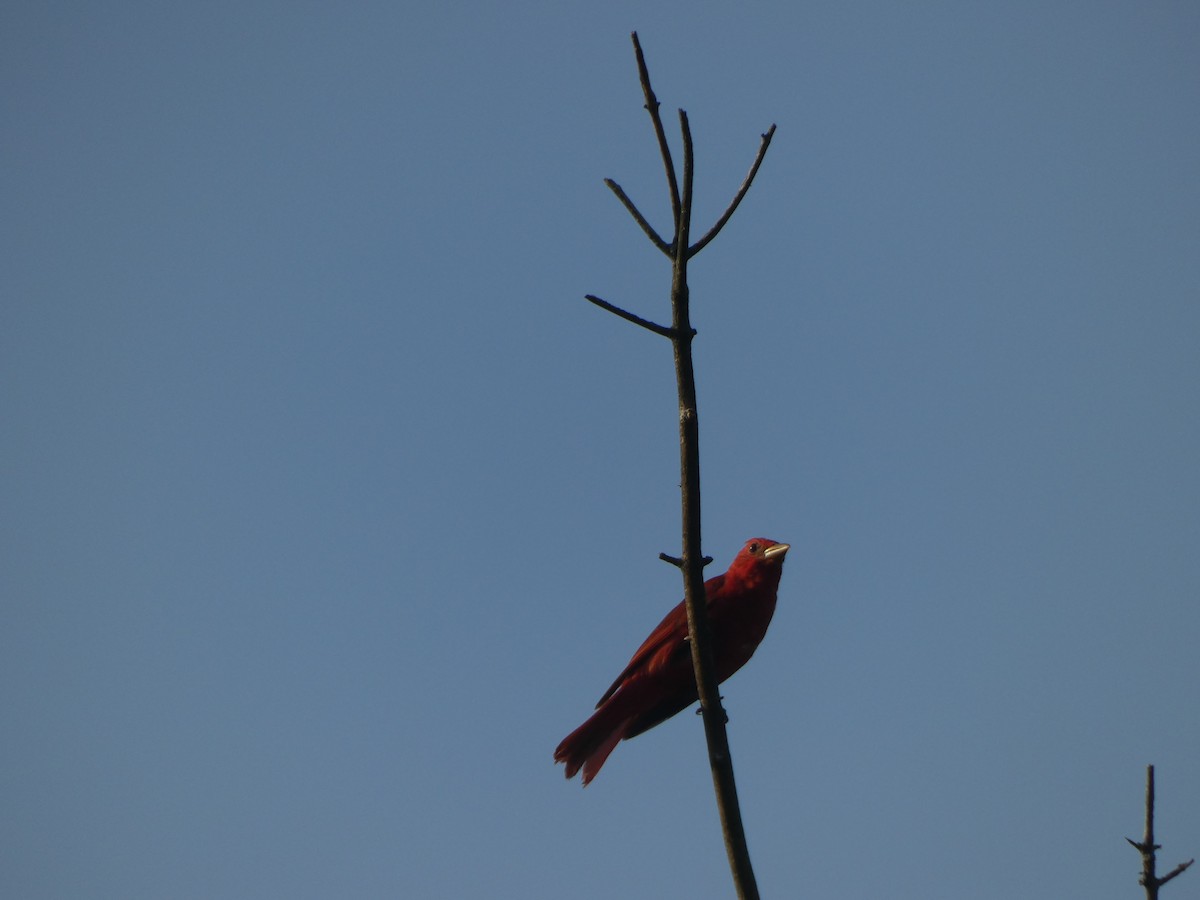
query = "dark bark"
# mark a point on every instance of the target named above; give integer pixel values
(1149, 879)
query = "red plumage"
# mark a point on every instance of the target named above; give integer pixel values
(659, 680)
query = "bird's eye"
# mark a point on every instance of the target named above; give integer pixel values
(754, 547)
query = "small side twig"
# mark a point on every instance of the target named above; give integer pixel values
(716, 229)
(1149, 878)
(630, 317)
(655, 237)
(678, 563)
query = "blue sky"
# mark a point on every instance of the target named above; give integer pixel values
(329, 505)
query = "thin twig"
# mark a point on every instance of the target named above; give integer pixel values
(638, 217)
(681, 237)
(659, 132)
(1178, 870)
(630, 317)
(678, 563)
(715, 230)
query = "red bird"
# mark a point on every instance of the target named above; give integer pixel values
(659, 680)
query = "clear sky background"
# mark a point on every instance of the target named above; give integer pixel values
(329, 505)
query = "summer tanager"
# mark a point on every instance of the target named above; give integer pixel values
(659, 680)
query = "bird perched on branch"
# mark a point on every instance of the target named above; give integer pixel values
(659, 680)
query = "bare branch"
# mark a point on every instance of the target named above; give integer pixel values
(659, 132)
(715, 230)
(720, 758)
(692, 562)
(638, 217)
(630, 317)
(1150, 880)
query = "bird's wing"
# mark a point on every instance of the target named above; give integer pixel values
(665, 642)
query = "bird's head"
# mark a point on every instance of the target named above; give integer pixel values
(764, 551)
(759, 560)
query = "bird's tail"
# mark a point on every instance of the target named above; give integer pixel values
(588, 746)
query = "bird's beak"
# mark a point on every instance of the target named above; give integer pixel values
(778, 551)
